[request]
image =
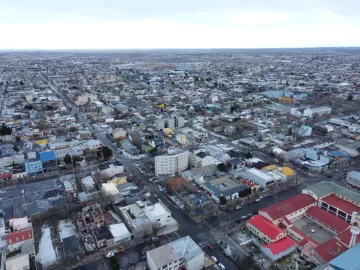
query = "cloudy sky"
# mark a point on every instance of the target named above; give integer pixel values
(136, 24)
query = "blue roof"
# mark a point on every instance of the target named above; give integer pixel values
(340, 154)
(349, 260)
(47, 156)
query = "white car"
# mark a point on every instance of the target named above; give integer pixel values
(214, 259)
(258, 200)
(221, 266)
(110, 254)
(238, 207)
(312, 230)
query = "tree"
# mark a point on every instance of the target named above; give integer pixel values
(5, 130)
(16, 149)
(114, 265)
(222, 167)
(153, 150)
(350, 97)
(67, 159)
(223, 200)
(248, 155)
(107, 152)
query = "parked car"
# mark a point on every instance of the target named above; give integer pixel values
(258, 200)
(144, 258)
(120, 251)
(109, 254)
(155, 238)
(249, 215)
(214, 259)
(210, 247)
(244, 217)
(162, 236)
(227, 254)
(238, 207)
(222, 267)
(329, 176)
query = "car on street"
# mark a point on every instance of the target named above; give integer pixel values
(329, 176)
(221, 266)
(214, 259)
(238, 207)
(120, 251)
(337, 170)
(162, 236)
(312, 230)
(144, 258)
(249, 215)
(258, 200)
(210, 247)
(109, 254)
(155, 238)
(244, 217)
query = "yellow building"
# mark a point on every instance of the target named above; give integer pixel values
(118, 181)
(168, 132)
(286, 100)
(39, 142)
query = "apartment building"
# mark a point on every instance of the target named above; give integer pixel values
(175, 161)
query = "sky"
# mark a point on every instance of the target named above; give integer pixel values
(156, 24)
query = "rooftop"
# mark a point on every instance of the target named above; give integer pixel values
(185, 248)
(324, 188)
(162, 255)
(280, 245)
(349, 260)
(330, 250)
(327, 218)
(265, 226)
(288, 206)
(341, 204)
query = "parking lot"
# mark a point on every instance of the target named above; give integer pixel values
(319, 234)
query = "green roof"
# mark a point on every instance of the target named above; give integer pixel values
(324, 188)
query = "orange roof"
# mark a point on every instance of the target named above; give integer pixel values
(345, 237)
(265, 226)
(341, 204)
(19, 236)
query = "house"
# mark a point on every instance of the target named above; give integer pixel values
(318, 111)
(71, 246)
(48, 160)
(17, 238)
(111, 168)
(33, 164)
(261, 178)
(224, 186)
(182, 253)
(120, 233)
(103, 237)
(119, 133)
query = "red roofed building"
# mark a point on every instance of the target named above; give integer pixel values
(264, 229)
(345, 238)
(292, 208)
(327, 220)
(338, 207)
(17, 238)
(327, 251)
(279, 249)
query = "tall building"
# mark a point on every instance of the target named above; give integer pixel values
(175, 161)
(173, 122)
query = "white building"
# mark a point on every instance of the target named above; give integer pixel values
(120, 233)
(17, 262)
(200, 158)
(173, 122)
(181, 139)
(119, 133)
(175, 161)
(181, 252)
(262, 179)
(318, 111)
(157, 213)
(109, 189)
(111, 168)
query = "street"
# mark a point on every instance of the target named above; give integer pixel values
(199, 232)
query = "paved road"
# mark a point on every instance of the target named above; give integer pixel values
(200, 232)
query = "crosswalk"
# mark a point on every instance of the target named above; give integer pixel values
(205, 238)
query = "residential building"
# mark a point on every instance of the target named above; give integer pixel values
(264, 229)
(261, 178)
(103, 237)
(111, 168)
(173, 122)
(33, 164)
(182, 253)
(175, 161)
(17, 238)
(224, 186)
(120, 233)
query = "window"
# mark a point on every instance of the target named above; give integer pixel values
(332, 209)
(158, 219)
(164, 267)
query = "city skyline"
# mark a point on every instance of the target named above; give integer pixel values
(185, 24)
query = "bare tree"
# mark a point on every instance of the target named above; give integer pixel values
(155, 227)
